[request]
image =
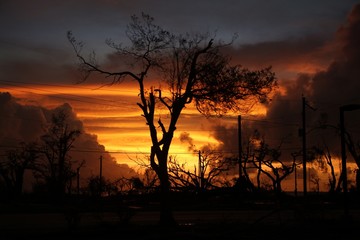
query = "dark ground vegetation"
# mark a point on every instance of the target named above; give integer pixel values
(210, 215)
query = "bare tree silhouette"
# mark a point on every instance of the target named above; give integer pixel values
(212, 166)
(325, 161)
(267, 160)
(193, 69)
(13, 168)
(55, 168)
(353, 147)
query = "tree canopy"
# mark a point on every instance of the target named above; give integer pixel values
(188, 68)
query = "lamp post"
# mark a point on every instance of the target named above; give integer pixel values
(349, 107)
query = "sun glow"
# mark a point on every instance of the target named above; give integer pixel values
(111, 113)
(124, 134)
(113, 116)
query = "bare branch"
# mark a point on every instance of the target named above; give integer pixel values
(90, 66)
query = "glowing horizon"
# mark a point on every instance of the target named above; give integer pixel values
(120, 128)
(123, 132)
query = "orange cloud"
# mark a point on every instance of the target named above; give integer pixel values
(112, 115)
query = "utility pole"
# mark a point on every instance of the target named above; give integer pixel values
(240, 148)
(100, 176)
(304, 142)
(295, 170)
(343, 159)
(200, 172)
(78, 180)
(295, 182)
(343, 109)
(304, 104)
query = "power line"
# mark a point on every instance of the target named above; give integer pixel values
(270, 122)
(263, 121)
(126, 152)
(112, 101)
(76, 85)
(70, 96)
(65, 86)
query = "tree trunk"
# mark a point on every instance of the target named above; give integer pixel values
(357, 180)
(19, 183)
(258, 177)
(166, 214)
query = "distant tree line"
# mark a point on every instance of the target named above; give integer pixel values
(48, 164)
(57, 175)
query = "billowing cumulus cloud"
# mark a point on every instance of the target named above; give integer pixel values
(287, 57)
(27, 123)
(19, 123)
(325, 91)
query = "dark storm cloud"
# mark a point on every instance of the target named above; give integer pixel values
(34, 47)
(287, 57)
(34, 71)
(19, 123)
(26, 123)
(253, 20)
(325, 91)
(228, 137)
(339, 84)
(26, 62)
(185, 138)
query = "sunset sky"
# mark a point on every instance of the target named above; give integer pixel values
(311, 45)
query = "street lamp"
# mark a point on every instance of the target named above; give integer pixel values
(349, 107)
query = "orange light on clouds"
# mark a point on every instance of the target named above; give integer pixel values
(304, 67)
(112, 115)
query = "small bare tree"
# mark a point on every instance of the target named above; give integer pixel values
(207, 175)
(323, 155)
(354, 149)
(353, 146)
(55, 166)
(267, 160)
(12, 169)
(147, 175)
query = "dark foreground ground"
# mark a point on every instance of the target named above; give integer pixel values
(255, 220)
(206, 226)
